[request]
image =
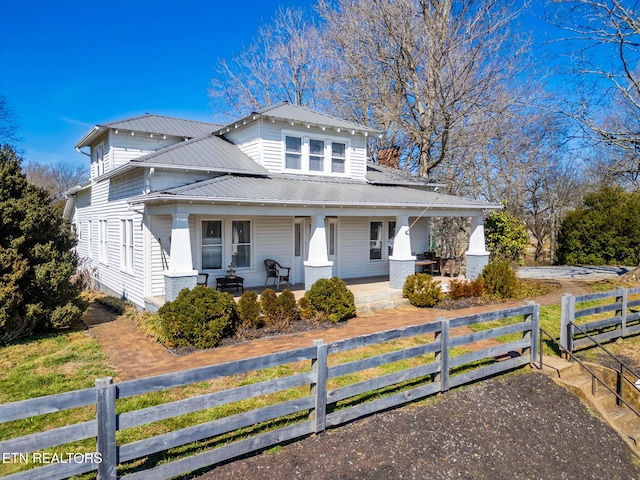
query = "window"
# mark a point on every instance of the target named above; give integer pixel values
(293, 153)
(375, 241)
(212, 245)
(126, 245)
(241, 243)
(316, 155)
(391, 237)
(102, 241)
(338, 157)
(89, 240)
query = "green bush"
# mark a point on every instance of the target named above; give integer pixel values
(602, 232)
(249, 310)
(422, 290)
(507, 236)
(500, 279)
(279, 311)
(200, 317)
(465, 288)
(330, 297)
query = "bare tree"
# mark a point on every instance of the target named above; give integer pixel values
(433, 75)
(8, 124)
(56, 178)
(604, 36)
(283, 63)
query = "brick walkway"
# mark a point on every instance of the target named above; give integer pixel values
(136, 356)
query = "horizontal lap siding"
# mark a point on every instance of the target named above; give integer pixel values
(419, 235)
(358, 157)
(160, 228)
(247, 140)
(274, 236)
(272, 149)
(109, 273)
(126, 147)
(353, 250)
(166, 179)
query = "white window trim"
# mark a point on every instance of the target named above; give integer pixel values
(89, 239)
(386, 241)
(127, 250)
(327, 160)
(227, 243)
(102, 241)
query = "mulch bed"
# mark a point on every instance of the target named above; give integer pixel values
(518, 426)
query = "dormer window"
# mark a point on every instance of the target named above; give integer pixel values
(315, 155)
(293, 153)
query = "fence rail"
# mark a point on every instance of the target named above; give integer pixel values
(624, 321)
(437, 369)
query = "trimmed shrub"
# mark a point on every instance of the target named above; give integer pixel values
(249, 310)
(500, 279)
(279, 311)
(330, 297)
(422, 290)
(200, 317)
(465, 289)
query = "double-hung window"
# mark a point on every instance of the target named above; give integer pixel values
(102, 241)
(212, 245)
(316, 155)
(381, 238)
(241, 243)
(126, 245)
(293, 153)
(338, 157)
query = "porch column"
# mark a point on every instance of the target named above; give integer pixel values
(477, 255)
(318, 265)
(180, 273)
(402, 262)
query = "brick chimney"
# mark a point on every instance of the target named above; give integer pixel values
(389, 157)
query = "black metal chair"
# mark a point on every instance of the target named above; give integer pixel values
(277, 272)
(203, 279)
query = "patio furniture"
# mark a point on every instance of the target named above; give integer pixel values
(203, 279)
(277, 272)
(230, 282)
(428, 261)
(451, 266)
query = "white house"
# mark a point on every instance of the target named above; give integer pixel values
(169, 198)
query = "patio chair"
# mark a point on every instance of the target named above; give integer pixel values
(203, 279)
(277, 272)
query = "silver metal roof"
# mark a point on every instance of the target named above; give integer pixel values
(302, 115)
(382, 175)
(209, 152)
(149, 123)
(306, 190)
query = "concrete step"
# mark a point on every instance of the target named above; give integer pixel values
(381, 305)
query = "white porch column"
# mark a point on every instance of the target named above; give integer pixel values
(402, 262)
(477, 255)
(318, 264)
(180, 273)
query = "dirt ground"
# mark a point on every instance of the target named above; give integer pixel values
(518, 426)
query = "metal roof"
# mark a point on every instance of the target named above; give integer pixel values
(302, 115)
(292, 189)
(209, 152)
(382, 175)
(149, 123)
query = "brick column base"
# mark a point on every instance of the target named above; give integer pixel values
(399, 270)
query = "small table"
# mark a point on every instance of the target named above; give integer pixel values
(228, 282)
(426, 263)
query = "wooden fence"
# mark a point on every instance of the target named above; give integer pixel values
(437, 369)
(623, 320)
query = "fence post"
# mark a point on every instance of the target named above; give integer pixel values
(443, 355)
(319, 388)
(106, 417)
(622, 299)
(567, 317)
(534, 333)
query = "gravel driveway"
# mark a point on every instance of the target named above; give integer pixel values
(519, 426)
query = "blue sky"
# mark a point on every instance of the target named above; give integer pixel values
(66, 65)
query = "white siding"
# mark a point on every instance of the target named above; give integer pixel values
(165, 179)
(353, 249)
(126, 147)
(160, 229)
(419, 235)
(247, 139)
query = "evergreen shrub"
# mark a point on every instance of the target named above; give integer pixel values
(330, 297)
(200, 317)
(249, 310)
(422, 290)
(499, 279)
